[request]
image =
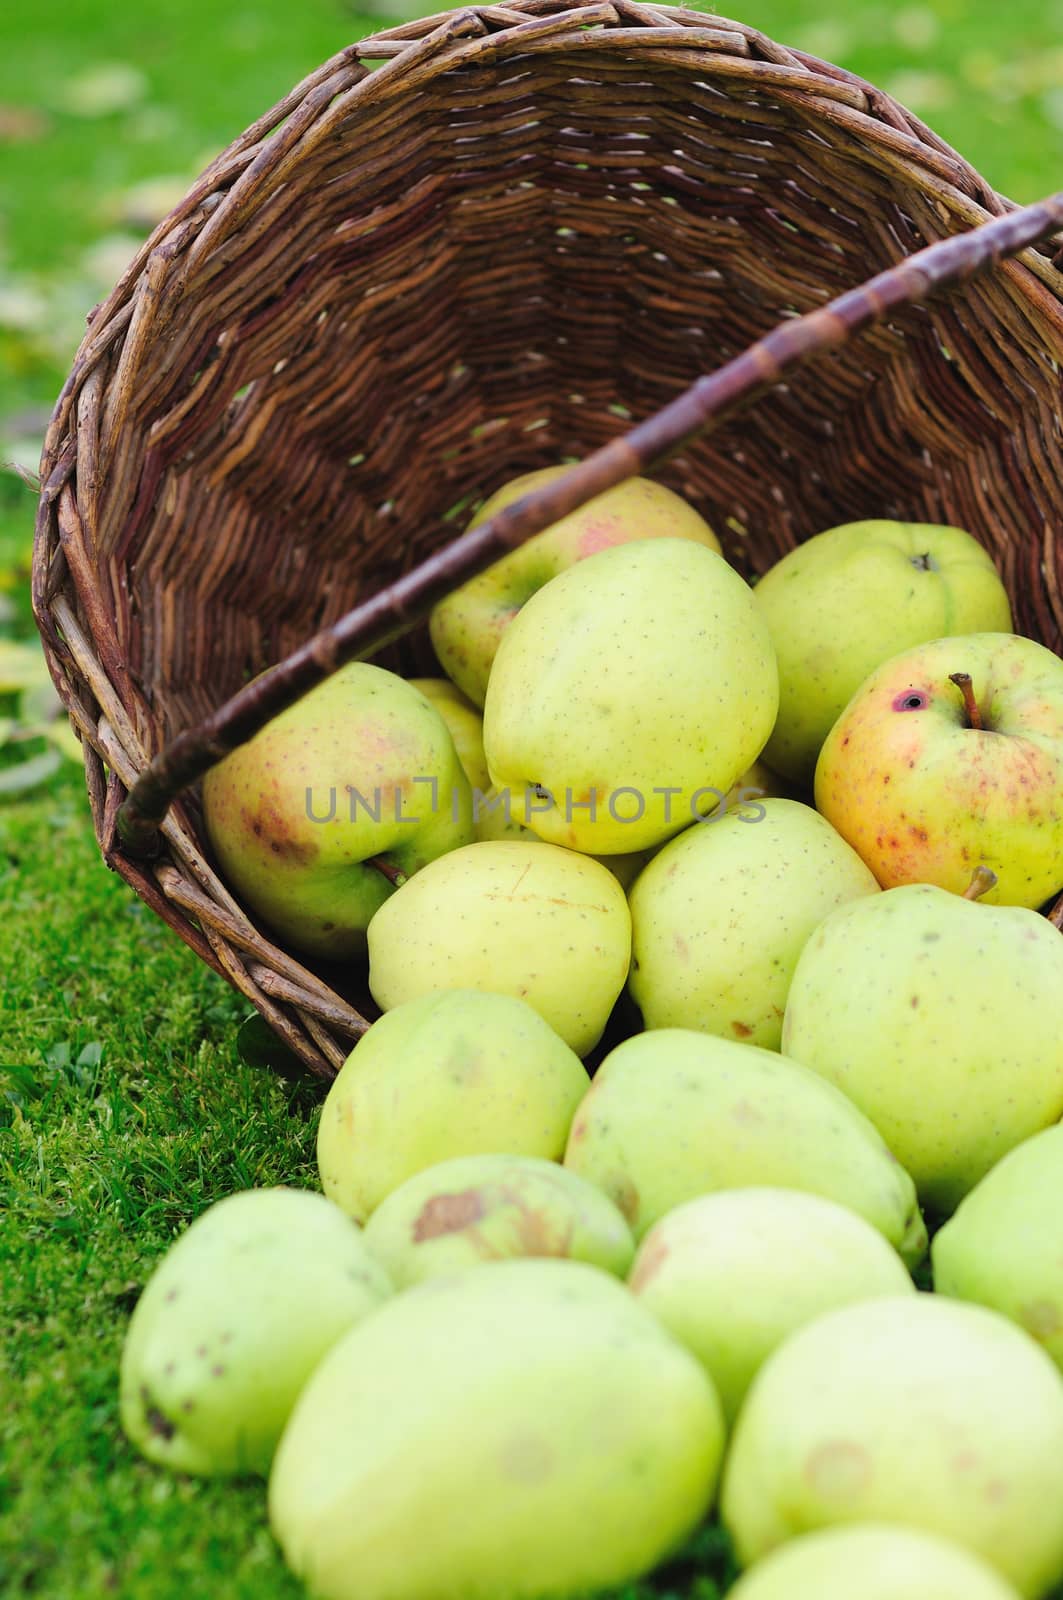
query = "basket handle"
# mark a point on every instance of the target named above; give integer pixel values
(387, 615)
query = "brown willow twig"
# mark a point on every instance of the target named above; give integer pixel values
(385, 616)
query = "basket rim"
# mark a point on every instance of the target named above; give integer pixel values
(89, 412)
(416, 51)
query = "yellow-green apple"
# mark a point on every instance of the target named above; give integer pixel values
(547, 925)
(873, 1561)
(495, 817)
(844, 602)
(1004, 1246)
(721, 914)
(950, 756)
(629, 695)
(910, 1409)
(465, 723)
(733, 1274)
(468, 624)
(455, 1074)
(672, 1115)
(233, 1320)
(337, 800)
(530, 1431)
(939, 1017)
(476, 1209)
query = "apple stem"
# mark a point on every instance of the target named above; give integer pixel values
(395, 875)
(962, 680)
(1055, 916)
(983, 880)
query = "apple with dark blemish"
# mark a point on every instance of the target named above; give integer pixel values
(950, 756)
(336, 802)
(467, 626)
(940, 1017)
(480, 1209)
(233, 1321)
(913, 1410)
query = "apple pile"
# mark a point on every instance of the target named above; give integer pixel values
(792, 844)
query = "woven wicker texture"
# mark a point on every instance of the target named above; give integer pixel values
(467, 247)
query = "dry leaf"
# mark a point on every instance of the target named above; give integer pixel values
(22, 124)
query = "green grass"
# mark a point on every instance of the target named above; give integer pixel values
(125, 1107)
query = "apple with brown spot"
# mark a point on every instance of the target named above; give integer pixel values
(479, 1209)
(950, 756)
(336, 802)
(232, 1322)
(913, 1410)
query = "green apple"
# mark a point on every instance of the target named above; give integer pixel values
(939, 1017)
(1004, 1246)
(721, 914)
(467, 626)
(842, 603)
(910, 1409)
(233, 1320)
(629, 695)
(549, 926)
(465, 723)
(526, 1432)
(732, 1274)
(489, 1208)
(928, 779)
(455, 1074)
(874, 1561)
(674, 1114)
(495, 817)
(345, 794)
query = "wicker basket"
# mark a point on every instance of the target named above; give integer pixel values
(524, 227)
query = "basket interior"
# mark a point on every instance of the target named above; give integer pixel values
(505, 266)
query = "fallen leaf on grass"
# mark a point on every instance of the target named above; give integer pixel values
(103, 89)
(22, 124)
